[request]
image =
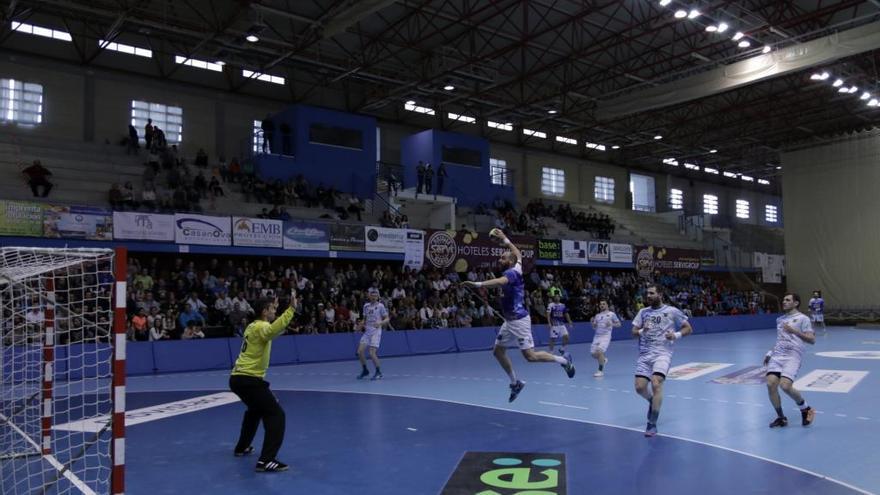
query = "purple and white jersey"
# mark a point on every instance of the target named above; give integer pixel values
(605, 321)
(373, 314)
(655, 323)
(789, 344)
(817, 305)
(557, 314)
(513, 305)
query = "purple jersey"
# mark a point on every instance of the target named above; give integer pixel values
(817, 305)
(557, 313)
(512, 304)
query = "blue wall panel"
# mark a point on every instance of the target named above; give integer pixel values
(431, 341)
(395, 343)
(284, 351)
(139, 358)
(326, 347)
(192, 355)
(475, 339)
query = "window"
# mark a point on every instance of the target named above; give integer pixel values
(498, 172)
(595, 146)
(119, 47)
(461, 118)
(676, 199)
(258, 136)
(710, 170)
(764, 182)
(167, 118)
(730, 175)
(604, 190)
(537, 134)
(21, 102)
(20, 27)
(500, 126)
(552, 181)
(563, 139)
(249, 74)
(691, 166)
(747, 178)
(771, 214)
(199, 64)
(670, 161)
(742, 208)
(411, 106)
(710, 204)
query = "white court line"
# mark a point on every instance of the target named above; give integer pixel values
(563, 405)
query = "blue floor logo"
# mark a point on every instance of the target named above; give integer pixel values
(505, 473)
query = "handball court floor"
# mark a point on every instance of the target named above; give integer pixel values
(406, 434)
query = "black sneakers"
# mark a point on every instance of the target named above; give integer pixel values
(568, 366)
(242, 453)
(807, 416)
(272, 466)
(515, 389)
(779, 422)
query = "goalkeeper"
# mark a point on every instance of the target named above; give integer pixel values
(248, 384)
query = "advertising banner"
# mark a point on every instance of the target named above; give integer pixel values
(574, 252)
(346, 237)
(384, 240)
(202, 229)
(650, 259)
(837, 381)
(257, 232)
(21, 218)
(599, 251)
(464, 250)
(550, 249)
(306, 236)
(80, 222)
(142, 226)
(414, 253)
(621, 253)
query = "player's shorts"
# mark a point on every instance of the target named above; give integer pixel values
(516, 333)
(600, 342)
(786, 366)
(649, 364)
(818, 318)
(557, 331)
(372, 338)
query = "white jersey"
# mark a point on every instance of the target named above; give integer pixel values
(373, 314)
(604, 322)
(789, 344)
(655, 323)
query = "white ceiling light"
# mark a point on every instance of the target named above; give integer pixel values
(722, 27)
(843, 90)
(853, 89)
(865, 95)
(712, 28)
(551, 112)
(744, 44)
(873, 102)
(779, 167)
(738, 36)
(411, 102)
(615, 147)
(664, 3)
(820, 77)
(658, 137)
(693, 14)
(766, 49)
(680, 14)
(449, 87)
(838, 83)
(713, 151)
(252, 38)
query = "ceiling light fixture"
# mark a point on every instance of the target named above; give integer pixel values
(449, 87)
(680, 14)
(658, 137)
(853, 89)
(766, 49)
(865, 96)
(693, 14)
(744, 44)
(664, 3)
(838, 83)
(252, 38)
(873, 102)
(713, 151)
(615, 147)
(712, 28)
(722, 27)
(738, 36)
(552, 112)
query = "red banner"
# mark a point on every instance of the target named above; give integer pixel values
(464, 250)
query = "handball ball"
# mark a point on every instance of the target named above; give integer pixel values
(496, 232)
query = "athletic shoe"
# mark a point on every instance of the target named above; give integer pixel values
(779, 422)
(599, 374)
(651, 430)
(377, 376)
(807, 416)
(242, 453)
(561, 351)
(515, 389)
(363, 374)
(568, 366)
(273, 466)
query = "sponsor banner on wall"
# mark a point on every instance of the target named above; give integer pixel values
(384, 240)
(574, 252)
(464, 250)
(142, 226)
(21, 218)
(598, 251)
(202, 229)
(346, 237)
(257, 232)
(306, 236)
(750, 375)
(81, 222)
(621, 253)
(838, 381)
(650, 259)
(414, 250)
(689, 371)
(550, 249)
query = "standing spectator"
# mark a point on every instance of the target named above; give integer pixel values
(441, 176)
(138, 327)
(429, 180)
(148, 197)
(36, 176)
(268, 128)
(128, 200)
(114, 196)
(201, 158)
(420, 177)
(148, 133)
(132, 148)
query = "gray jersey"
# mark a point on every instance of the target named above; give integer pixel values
(655, 323)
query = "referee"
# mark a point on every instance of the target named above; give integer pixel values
(248, 384)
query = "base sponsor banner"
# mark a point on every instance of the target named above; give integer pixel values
(599, 251)
(851, 354)
(346, 237)
(508, 473)
(202, 229)
(838, 381)
(80, 222)
(650, 259)
(621, 253)
(751, 375)
(142, 226)
(689, 371)
(306, 236)
(384, 240)
(550, 249)
(21, 218)
(574, 252)
(257, 232)
(414, 252)
(464, 250)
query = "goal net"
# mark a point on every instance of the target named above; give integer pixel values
(56, 370)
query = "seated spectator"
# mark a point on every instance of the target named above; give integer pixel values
(37, 176)
(128, 200)
(201, 159)
(192, 332)
(148, 197)
(114, 197)
(355, 206)
(215, 188)
(158, 331)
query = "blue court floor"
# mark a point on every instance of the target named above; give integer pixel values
(406, 433)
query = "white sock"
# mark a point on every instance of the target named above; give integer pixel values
(560, 359)
(512, 376)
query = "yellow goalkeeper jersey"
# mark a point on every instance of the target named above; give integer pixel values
(253, 359)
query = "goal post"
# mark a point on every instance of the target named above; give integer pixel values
(62, 370)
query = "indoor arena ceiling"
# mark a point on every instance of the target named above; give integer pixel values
(578, 69)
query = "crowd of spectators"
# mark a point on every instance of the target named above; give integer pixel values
(194, 297)
(599, 225)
